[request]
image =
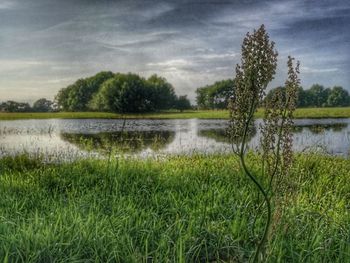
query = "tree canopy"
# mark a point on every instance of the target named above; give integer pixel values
(43, 105)
(163, 93)
(215, 96)
(119, 92)
(182, 103)
(318, 96)
(338, 97)
(76, 97)
(13, 106)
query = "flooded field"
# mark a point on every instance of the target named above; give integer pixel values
(65, 139)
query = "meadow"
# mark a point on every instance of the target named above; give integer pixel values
(173, 209)
(313, 113)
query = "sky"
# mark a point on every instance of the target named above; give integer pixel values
(46, 45)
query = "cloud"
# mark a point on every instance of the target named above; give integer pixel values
(172, 63)
(318, 70)
(47, 44)
(6, 4)
(9, 65)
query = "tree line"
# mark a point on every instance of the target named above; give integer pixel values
(318, 96)
(41, 105)
(217, 95)
(121, 93)
(109, 92)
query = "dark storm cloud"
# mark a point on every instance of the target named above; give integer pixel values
(47, 44)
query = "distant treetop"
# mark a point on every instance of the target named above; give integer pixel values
(319, 96)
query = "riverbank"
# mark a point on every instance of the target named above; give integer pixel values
(178, 209)
(312, 113)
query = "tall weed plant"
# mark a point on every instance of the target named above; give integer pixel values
(256, 71)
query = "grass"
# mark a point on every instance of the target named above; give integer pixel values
(178, 209)
(342, 112)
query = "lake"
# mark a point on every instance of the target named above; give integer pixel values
(69, 139)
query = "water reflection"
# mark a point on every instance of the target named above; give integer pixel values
(221, 134)
(325, 136)
(320, 128)
(71, 138)
(121, 141)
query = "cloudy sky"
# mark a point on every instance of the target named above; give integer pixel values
(48, 44)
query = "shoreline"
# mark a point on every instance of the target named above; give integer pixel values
(301, 113)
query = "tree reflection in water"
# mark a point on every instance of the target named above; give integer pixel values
(320, 128)
(121, 141)
(220, 134)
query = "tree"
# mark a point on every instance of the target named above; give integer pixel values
(202, 98)
(43, 105)
(76, 97)
(62, 99)
(215, 96)
(305, 98)
(221, 93)
(135, 96)
(319, 95)
(93, 85)
(338, 97)
(13, 106)
(123, 93)
(182, 103)
(118, 92)
(107, 98)
(163, 93)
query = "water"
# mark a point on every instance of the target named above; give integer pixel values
(67, 139)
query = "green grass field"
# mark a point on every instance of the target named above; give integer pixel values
(200, 114)
(180, 209)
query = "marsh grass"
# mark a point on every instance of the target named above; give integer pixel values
(176, 209)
